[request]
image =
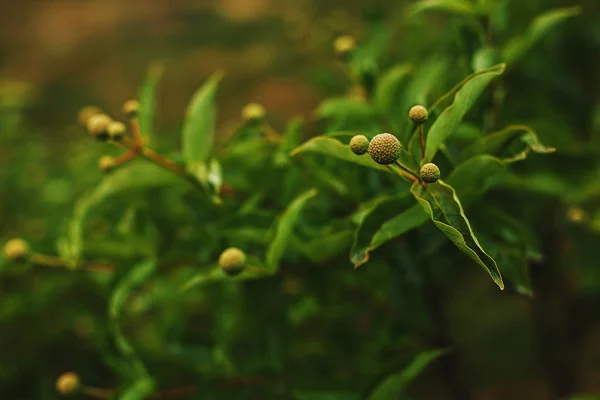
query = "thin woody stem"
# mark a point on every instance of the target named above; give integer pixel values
(422, 140)
(98, 393)
(406, 169)
(138, 141)
(57, 262)
(404, 174)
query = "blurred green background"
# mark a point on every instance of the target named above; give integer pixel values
(327, 329)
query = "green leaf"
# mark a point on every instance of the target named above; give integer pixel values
(393, 386)
(334, 148)
(327, 246)
(135, 277)
(449, 120)
(285, 228)
(347, 113)
(539, 27)
(148, 101)
(460, 7)
(474, 177)
(302, 395)
(199, 124)
(140, 390)
(388, 87)
(439, 200)
(216, 274)
(511, 144)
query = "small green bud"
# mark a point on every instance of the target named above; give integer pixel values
(97, 126)
(430, 173)
(131, 108)
(16, 250)
(116, 130)
(68, 383)
(106, 163)
(344, 45)
(86, 113)
(232, 261)
(359, 144)
(254, 113)
(418, 114)
(385, 149)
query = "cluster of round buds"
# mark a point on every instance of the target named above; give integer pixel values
(68, 383)
(131, 108)
(418, 114)
(116, 130)
(106, 163)
(359, 144)
(87, 112)
(16, 250)
(430, 173)
(385, 149)
(344, 45)
(97, 126)
(232, 261)
(254, 113)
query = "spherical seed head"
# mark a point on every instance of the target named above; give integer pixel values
(254, 112)
(106, 163)
(418, 114)
(16, 250)
(86, 113)
(359, 144)
(385, 149)
(97, 126)
(430, 173)
(344, 45)
(116, 130)
(68, 383)
(131, 108)
(232, 261)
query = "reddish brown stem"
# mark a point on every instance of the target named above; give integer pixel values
(138, 141)
(422, 140)
(98, 393)
(57, 262)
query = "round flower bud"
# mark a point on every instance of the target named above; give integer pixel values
(344, 45)
(86, 113)
(253, 113)
(430, 173)
(97, 126)
(359, 144)
(131, 108)
(385, 149)
(232, 261)
(106, 163)
(68, 383)
(116, 130)
(418, 114)
(16, 250)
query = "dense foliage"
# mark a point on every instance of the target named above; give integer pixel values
(307, 262)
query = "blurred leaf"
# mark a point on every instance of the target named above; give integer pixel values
(199, 124)
(474, 177)
(285, 228)
(511, 144)
(388, 86)
(302, 395)
(393, 386)
(485, 57)
(461, 7)
(539, 27)
(334, 148)
(148, 101)
(140, 390)
(440, 202)
(449, 120)
(216, 274)
(326, 246)
(292, 137)
(348, 114)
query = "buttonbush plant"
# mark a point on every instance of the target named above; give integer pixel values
(341, 256)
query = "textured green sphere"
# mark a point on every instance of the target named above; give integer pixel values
(232, 261)
(385, 149)
(430, 173)
(359, 144)
(418, 114)
(97, 126)
(254, 112)
(16, 250)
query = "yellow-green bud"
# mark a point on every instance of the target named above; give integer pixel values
(344, 45)
(254, 113)
(385, 149)
(359, 144)
(131, 108)
(232, 261)
(430, 173)
(68, 383)
(116, 130)
(106, 163)
(97, 126)
(418, 114)
(16, 250)
(86, 113)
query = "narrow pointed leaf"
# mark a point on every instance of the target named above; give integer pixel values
(439, 200)
(148, 101)
(388, 87)
(449, 120)
(460, 7)
(199, 125)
